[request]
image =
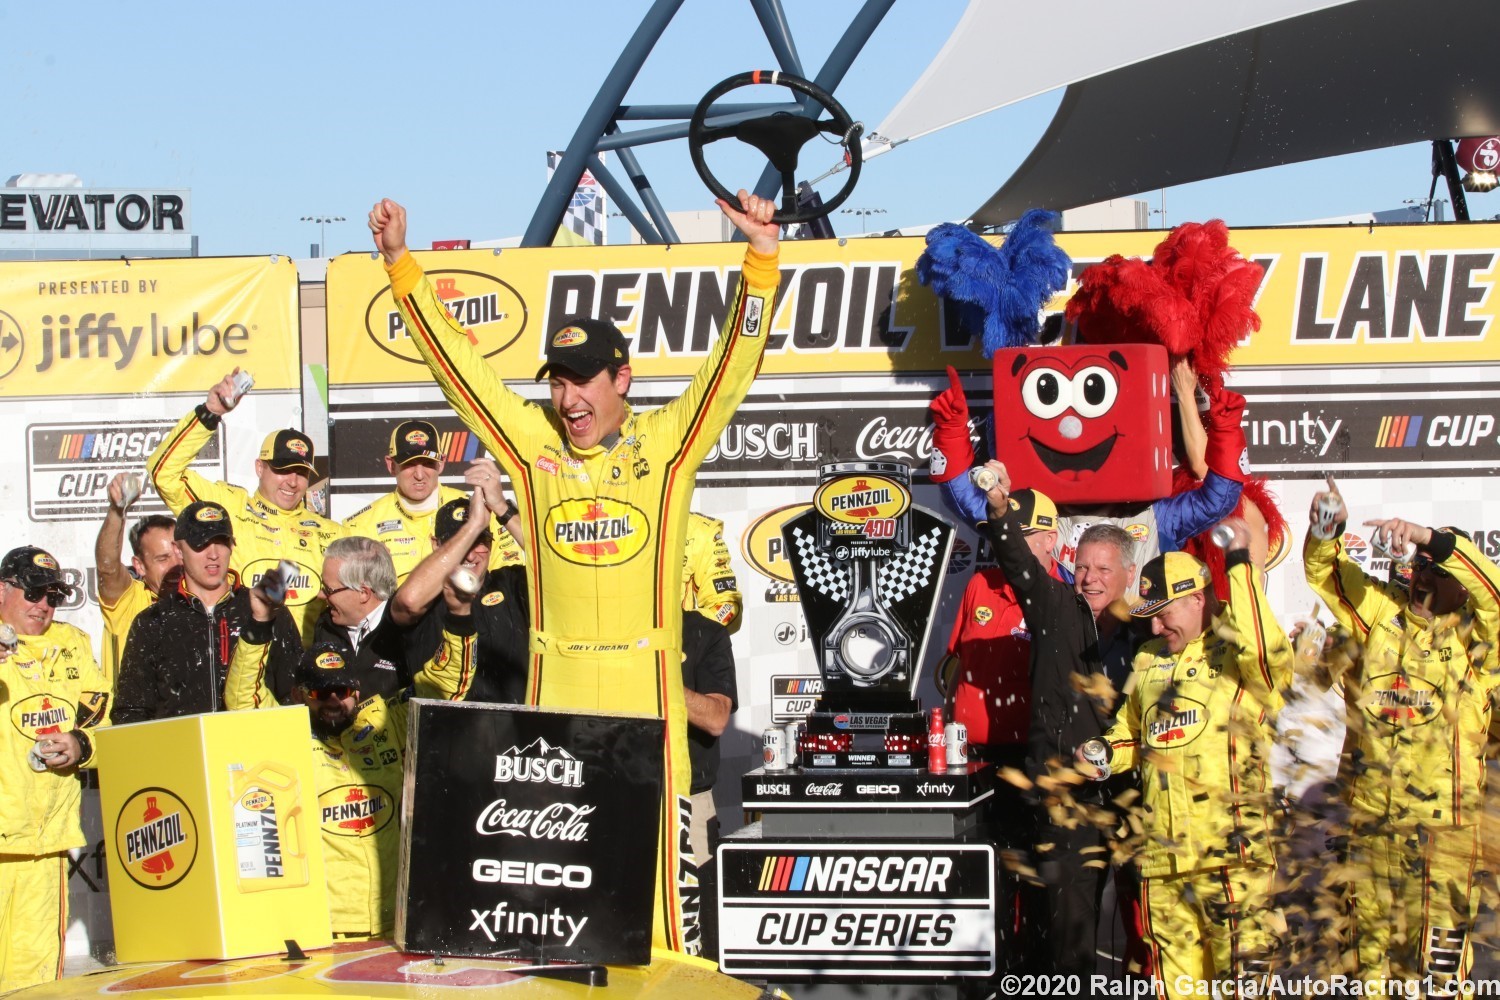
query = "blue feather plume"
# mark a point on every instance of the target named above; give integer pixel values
(1000, 290)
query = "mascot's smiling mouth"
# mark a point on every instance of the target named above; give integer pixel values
(1074, 466)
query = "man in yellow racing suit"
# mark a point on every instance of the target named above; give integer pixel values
(708, 582)
(1413, 768)
(273, 523)
(603, 493)
(51, 691)
(402, 519)
(358, 749)
(1199, 723)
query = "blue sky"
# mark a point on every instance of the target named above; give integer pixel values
(273, 111)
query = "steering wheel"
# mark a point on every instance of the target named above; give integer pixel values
(780, 136)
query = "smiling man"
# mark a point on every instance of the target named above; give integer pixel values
(402, 519)
(1413, 768)
(273, 523)
(178, 651)
(604, 492)
(51, 691)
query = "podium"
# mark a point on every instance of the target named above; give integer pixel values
(214, 848)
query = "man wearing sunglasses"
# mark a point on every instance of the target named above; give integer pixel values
(51, 691)
(359, 742)
(1413, 769)
(177, 653)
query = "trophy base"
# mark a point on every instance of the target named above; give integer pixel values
(883, 733)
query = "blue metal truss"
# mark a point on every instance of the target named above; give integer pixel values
(600, 130)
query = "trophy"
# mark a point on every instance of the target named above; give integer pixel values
(869, 567)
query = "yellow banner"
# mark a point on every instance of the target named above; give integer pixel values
(1332, 295)
(101, 327)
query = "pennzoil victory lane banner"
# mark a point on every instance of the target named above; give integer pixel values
(1377, 361)
(98, 360)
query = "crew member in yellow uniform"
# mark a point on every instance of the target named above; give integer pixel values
(121, 595)
(358, 747)
(709, 586)
(1413, 767)
(51, 691)
(1199, 724)
(604, 493)
(402, 519)
(273, 523)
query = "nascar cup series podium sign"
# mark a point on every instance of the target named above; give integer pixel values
(529, 833)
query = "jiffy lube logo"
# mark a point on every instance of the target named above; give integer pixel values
(490, 311)
(596, 532)
(156, 838)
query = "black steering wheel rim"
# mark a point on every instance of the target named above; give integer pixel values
(840, 124)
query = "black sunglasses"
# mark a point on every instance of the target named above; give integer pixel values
(1424, 564)
(339, 691)
(33, 595)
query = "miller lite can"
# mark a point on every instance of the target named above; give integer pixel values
(1096, 752)
(956, 736)
(130, 490)
(983, 477)
(773, 748)
(1328, 512)
(1222, 535)
(243, 381)
(793, 729)
(937, 755)
(36, 758)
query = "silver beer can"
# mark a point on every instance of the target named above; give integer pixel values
(793, 729)
(1328, 512)
(773, 748)
(956, 739)
(1096, 752)
(983, 477)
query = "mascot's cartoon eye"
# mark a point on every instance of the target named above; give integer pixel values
(1046, 393)
(1094, 391)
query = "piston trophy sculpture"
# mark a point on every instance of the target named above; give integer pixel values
(868, 565)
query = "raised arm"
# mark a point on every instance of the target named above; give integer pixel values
(1354, 599)
(168, 466)
(425, 583)
(710, 587)
(114, 578)
(1265, 657)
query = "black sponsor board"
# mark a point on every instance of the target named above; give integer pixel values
(874, 787)
(70, 465)
(878, 910)
(529, 833)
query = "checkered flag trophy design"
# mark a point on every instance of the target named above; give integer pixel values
(587, 218)
(869, 567)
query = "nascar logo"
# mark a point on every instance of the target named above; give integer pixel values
(836, 873)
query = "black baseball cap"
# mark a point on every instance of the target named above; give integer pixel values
(413, 439)
(201, 522)
(325, 665)
(287, 449)
(450, 517)
(29, 567)
(585, 346)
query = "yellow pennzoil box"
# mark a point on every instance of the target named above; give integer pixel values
(211, 831)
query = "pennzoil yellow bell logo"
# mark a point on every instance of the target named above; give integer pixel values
(597, 532)
(156, 838)
(860, 498)
(329, 661)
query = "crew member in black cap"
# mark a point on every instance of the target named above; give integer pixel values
(461, 540)
(273, 523)
(402, 519)
(178, 650)
(359, 744)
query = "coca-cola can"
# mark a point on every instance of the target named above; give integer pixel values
(956, 736)
(773, 749)
(1329, 505)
